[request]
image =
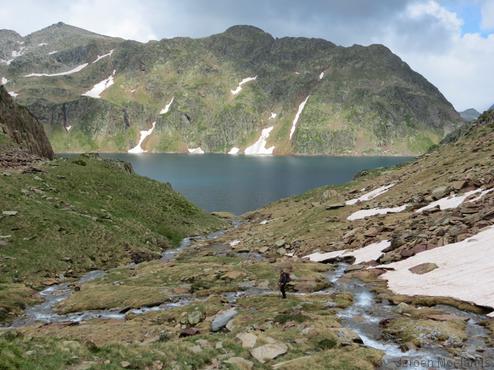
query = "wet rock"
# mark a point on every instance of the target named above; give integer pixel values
(240, 363)
(269, 351)
(423, 268)
(49, 282)
(248, 339)
(222, 318)
(347, 337)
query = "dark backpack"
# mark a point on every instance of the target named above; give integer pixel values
(284, 278)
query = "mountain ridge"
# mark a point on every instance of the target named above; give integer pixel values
(363, 100)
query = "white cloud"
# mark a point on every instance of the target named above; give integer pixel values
(431, 8)
(126, 19)
(459, 64)
(487, 14)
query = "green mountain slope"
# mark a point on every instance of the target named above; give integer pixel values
(361, 100)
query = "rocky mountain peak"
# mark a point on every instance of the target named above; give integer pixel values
(244, 30)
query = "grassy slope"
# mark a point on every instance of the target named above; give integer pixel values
(84, 214)
(88, 213)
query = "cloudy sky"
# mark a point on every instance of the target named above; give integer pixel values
(450, 42)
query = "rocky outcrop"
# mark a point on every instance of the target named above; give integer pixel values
(21, 128)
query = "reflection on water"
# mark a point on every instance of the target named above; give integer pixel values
(239, 184)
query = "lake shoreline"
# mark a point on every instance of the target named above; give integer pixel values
(61, 154)
(242, 183)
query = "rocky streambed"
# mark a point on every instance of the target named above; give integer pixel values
(364, 321)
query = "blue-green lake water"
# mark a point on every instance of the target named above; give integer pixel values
(238, 184)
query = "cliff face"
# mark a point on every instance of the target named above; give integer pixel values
(20, 129)
(97, 93)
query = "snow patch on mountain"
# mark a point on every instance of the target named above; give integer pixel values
(259, 147)
(4, 81)
(53, 52)
(368, 253)
(197, 150)
(234, 151)
(97, 90)
(273, 115)
(450, 202)
(18, 53)
(464, 272)
(480, 196)
(243, 82)
(321, 257)
(321, 76)
(99, 57)
(370, 195)
(42, 44)
(74, 70)
(13, 94)
(143, 135)
(363, 213)
(297, 116)
(166, 109)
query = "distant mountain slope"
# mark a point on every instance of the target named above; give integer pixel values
(218, 94)
(470, 115)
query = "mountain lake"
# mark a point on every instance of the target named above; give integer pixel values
(238, 184)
